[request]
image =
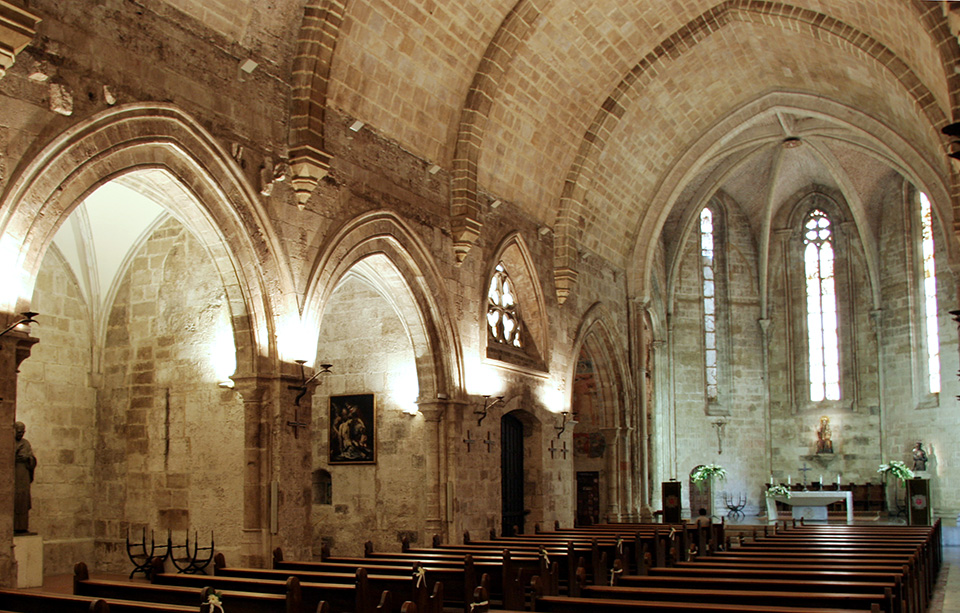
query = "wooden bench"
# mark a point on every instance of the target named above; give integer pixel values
(344, 591)
(240, 601)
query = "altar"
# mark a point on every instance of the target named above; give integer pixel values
(803, 499)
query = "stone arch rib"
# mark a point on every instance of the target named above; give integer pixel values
(322, 20)
(572, 213)
(465, 207)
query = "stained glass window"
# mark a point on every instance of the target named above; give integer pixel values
(822, 338)
(503, 313)
(932, 336)
(709, 302)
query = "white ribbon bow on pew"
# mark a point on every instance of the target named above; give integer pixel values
(421, 575)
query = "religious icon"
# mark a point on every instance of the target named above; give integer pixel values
(352, 429)
(919, 458)
(824, 442)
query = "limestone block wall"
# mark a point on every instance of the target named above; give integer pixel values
(911, 414)
(363, 338)
(741, 447)
(170, 446)
(56, 399)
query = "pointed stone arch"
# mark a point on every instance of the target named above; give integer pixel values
(224, 212)
(518, 260)
(571, 212)
(422, 301)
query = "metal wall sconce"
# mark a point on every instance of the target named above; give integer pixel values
(563, 423)
(304, 382)
(487, 405)
(27, 318)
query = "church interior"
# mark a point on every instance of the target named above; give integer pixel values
(266, 265)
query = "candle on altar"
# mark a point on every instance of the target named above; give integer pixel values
(821, 479)
(788, 479)
(771, 479)
(838, 478)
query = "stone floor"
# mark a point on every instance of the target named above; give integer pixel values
(946, 596)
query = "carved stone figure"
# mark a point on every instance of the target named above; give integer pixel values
(24, 465)
(919, 458)
(824, 444)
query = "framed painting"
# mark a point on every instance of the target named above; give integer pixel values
(353, 429)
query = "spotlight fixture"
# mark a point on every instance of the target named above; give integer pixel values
(355, 126)
(791, 142)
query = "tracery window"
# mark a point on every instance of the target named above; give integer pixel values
(503, 314)
(822, 338)
(709, 302)
(931, 335)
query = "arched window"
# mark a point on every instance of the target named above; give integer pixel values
(822, 339)
(503, 314)
(929, 293)
(709, 290)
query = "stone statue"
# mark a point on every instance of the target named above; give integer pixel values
(824, 444)
(919, 458)
(24, 465)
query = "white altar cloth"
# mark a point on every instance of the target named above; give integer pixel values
(810, 499)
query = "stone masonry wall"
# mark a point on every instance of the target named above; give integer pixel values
(170, 451)
(364, 339)
(56, 399)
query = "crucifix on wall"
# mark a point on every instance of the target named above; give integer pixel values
(719, 425)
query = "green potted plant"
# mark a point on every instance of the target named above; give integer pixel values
(896, 469)
(707, 472)
(778, 490)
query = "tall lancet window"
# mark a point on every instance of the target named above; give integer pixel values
(707, 261)
(822, 338)
(503, 313)
(932, 337)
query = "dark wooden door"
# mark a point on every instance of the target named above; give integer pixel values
(511, 473)
(588, 498)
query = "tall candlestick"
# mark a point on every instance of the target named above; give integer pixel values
(821, 479)
(838, 479)
(771, 479)
(788, 479)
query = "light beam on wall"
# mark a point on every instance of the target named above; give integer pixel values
(296, 340)
(223, 353)
(405, 389)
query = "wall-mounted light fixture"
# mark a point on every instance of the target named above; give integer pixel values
(304, 382)
(27, 317)
(487, 405)
(563, 423)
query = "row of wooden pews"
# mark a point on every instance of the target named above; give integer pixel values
(181, 593)
(800, 568)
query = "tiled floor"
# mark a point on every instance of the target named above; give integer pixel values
(946, 596)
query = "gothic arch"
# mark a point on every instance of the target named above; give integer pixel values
(594, 335)
(571, 210)
(225, 213)
(419, 293)
(515, 254)
(872, 137)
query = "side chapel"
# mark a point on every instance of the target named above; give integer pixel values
(312, 272)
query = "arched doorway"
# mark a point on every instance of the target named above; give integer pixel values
(511, 474)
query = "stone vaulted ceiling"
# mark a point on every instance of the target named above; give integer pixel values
(594, 117)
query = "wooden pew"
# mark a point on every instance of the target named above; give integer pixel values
(240, 602)
(343, 591)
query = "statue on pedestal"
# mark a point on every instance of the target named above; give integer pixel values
(824, 443)
(24, 465)
(919, 458)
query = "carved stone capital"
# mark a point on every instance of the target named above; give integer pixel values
(564, 279)
(308, 165)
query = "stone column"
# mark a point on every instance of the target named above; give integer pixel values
(611, 467)
(257, 543)
(437, 470)
(293, 465)
(15, 347)
(765, 366)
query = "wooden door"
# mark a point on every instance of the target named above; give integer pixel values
(511, 474)
(588, 498)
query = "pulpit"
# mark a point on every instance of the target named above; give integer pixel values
(918, 501)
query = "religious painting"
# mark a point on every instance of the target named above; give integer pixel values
(353, 429)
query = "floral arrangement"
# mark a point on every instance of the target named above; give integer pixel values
(896, 468)
(213, 601)
(706, 472)
(778, 490)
